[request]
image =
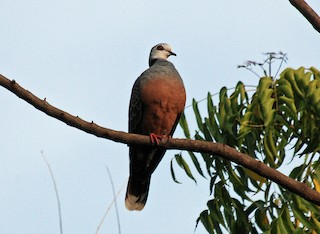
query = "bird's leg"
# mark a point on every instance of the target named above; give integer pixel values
(154, 138)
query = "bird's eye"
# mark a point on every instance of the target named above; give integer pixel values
(160, 47)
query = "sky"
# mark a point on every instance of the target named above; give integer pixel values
(83, 57)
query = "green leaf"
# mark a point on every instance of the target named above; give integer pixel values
(206, 131)
(210, 106)
(298, 146)
(212, 182)
(286, 112)
(214, 129)
(290, 103)
(242, 222)
(302, 218)
(184, 125)
(280, 229)
(312, 146)
(285, 89)
(255, 176)
(197, 114)
(242, 91)
(316, 221)
(302, 78)
(298, 204)
(196, 163)
(215, 212)
(286, 217)
(262, 219)
(267, 110)
(301, 210)
(198, 137)
(265, 83)
(172, 173)
(270, 149)
(182, 163)
(289, 74)
(220, 170)
(223, 112)
(296, 173)
(312, 87)
(206, 221)
(315, 72)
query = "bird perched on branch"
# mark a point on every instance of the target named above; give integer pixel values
(157, 101)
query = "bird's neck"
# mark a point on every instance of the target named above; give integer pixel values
(154, 60)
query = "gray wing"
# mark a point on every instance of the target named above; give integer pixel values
(135, 108)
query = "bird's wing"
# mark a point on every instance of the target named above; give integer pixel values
(135, 109)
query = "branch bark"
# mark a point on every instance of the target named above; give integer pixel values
(218, 149)
(307, 12)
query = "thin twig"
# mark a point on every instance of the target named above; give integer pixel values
(109, 207)
(284, 59)
(272, 57)
(56, 191)
(115, 199)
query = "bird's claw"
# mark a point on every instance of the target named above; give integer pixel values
(155, 139)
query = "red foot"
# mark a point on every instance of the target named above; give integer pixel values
(154, 138)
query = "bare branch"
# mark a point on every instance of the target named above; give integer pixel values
(217, 149)
(307, 12)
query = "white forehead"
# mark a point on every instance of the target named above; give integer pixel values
(166, 47)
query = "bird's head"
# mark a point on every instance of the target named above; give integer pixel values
(160, 51)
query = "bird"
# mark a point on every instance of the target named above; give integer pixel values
(157, 101)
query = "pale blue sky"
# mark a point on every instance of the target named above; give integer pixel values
(84, 56)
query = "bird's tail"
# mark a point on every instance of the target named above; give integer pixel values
(137, 193)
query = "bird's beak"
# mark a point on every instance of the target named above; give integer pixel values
(171, 53)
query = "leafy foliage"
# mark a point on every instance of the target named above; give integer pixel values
(279, 123)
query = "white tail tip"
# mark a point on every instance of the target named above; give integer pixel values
(132, 203)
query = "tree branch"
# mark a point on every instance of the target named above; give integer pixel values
(221, 150)
(307, 12)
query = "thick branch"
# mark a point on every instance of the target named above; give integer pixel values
(307, 12)
(182, 144)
